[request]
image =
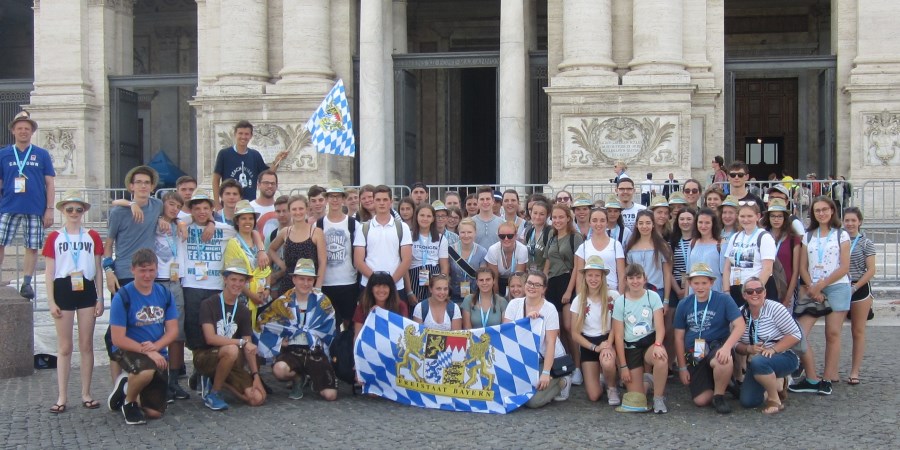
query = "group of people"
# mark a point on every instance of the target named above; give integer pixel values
(634, 294)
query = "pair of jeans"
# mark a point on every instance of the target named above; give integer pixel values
(781, 364)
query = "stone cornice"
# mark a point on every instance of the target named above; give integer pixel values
(126, 6)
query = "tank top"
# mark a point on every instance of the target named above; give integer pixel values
(295, 251)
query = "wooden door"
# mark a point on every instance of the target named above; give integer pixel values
(766, 109)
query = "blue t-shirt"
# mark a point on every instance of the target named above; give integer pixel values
(130, 236)
(146, 318)
(36, 166)
(721, 312)
(244, 169)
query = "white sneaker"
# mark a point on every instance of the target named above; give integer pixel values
(564, 393)
(612, 395)
(577, 378)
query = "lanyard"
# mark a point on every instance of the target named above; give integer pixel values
(685, 244)
(778, 246)
(21, 163)
(484, 315)
(75, 252)
(701, 324)
(228, 323)
(200, 241)
(300, 312)
(423, 242)
(247, 249)
(751, 330)
(855, 240)
(819, 248)
(746, 240)
(471, 253)
(171, 241)
(512, 261)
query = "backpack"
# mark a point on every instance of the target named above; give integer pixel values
(451, 311)
(351, 227)
(126, 303)
(342, 355)
(397, 225)
(778, 273)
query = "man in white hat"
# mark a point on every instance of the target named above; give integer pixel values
(340, 230)
(27, 194)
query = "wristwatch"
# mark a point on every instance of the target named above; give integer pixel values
(241, 343)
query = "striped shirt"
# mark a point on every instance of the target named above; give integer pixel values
(681, 253)
(864, 248)
(774, 323)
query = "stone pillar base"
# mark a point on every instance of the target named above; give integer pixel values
(17, 329)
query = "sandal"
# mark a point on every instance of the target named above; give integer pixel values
(767, 410)
(853, 381)
(90, 404)
(783, 393)
(58, 409)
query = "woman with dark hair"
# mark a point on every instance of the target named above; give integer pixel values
(615, 225)
(454, 216)
(483, 308)
(471, 205)
(407, 210)
(777, 222)
(536, 233)
(438, 312)
(380, 291)
(862, 269)
(559, 267)
(749, 253)
(680, 243)
(706, 247)
(429, 253)
(692, 189)
(824, 265)
(713, 197)
(649, 250)
(719, 175)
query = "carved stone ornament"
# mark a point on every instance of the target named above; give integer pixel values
(882, 138)
(593, 142)
(272, 139)
(60, 143)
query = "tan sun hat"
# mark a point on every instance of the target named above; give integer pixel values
(73, 196)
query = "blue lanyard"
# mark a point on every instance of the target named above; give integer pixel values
(700, 329)
(228, 323)
(855, 240)
(746, 240)
(75, 253)
(684, 253)
(424, 244)
(484, 316)
(301, 323)
(247, 249)
(819, 247)
(753, 332)
(171, 241)
(200, 241)
(21, 163)
(471, 254)
(512, 261)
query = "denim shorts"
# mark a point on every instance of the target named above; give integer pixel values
(839, 296)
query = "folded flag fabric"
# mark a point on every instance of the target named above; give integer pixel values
(486, 370)
(316, 326)
(330, 127)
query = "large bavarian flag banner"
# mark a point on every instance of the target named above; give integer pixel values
(330, 127)
(487, 370)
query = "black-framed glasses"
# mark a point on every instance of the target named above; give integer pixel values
(533, 285)
(72, 209)
(736, 174)
(754, 291)
(506, 236)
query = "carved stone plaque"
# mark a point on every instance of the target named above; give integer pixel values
(601, 141)
(270, 139)
(60, 143)
(881, 138)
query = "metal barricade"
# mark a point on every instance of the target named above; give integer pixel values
(596, 191)
(397, 191)
(439, 191)
(879, 201)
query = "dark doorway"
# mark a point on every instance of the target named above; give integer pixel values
(478, 125)
(766, 120)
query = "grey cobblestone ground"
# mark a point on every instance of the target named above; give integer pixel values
(864, 416)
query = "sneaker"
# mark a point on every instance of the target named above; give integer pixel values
(177, 391)
(133, 413)
(117, 396)
(734, 388)
(170, 395)
(564, 392)
(205, 386)
(805, 386)
(719, 403)
(613, 398)
(648, 383)
(27, 291)
(192, 382)
(214, 402)
(577, 378)
(824, 388)
(182, 372)
(659, 405)
(296, 390)
(797, 373)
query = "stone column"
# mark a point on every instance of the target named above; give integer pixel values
(243, 42)
(658, 44)
(387, 122)
(61, 51)
(622, 34)
(513, 143)
(587, 44)
(371, 93)
(401, 37)
(306, 47)
(695, 38)
(878, 43)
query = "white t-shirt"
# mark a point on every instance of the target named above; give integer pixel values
(613, 252)
(831, 254)
(515, 310)
(593, 318)
(629, 216)
(520, 256)
(87, 244)
(746, 257)
(429, 322)
(339, 270)
(262, 209)
(168, 251)
(426, 252)
(382, 247)
(197, 253)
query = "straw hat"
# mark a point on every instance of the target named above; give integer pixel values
(731, 201)
(701, 270)
(613, 202)
(201, 196)
(23, 116)
(582, 200)
(305, 268)
(777, 205)
(243, 207)
(657, 202)
(633, 402)
(677, 198)
(336, 187)
(73, 196)
(154, 176)
(235, 266)
(595, 262)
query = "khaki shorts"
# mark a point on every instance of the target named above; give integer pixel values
(206, 360)
(312, 363)
(154, 394)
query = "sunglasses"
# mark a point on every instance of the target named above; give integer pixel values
(72, 209)
(754, 291)
(506, 236)
(746, 202)
(736, 174)
(563, 199)
(692, 191)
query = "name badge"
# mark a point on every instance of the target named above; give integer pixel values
(19, 185)
(173, 272)
(77, 281)
(700, 349)
(423, 277)
(818, 273)
(464, 288)
(200, 271)
(737, 276)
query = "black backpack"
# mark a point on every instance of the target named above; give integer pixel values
(342, 356)
(126, 303)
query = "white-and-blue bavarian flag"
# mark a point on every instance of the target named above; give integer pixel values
(330, 127)
(487, 370)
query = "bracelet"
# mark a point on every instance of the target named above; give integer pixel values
(623, 366)
(658, 344)
(409, 294)
(593, 348)
(260, 251)
(545, 372)
(682, 369)
(253, 374)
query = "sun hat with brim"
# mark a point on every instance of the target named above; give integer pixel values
(657, 202)
(582, 201)
(731, 201)
(154, 175)
(613, 202)
(200, 196)
(498, 197)
(677, 198)
(438, 206)
(336, 187)
(243, 207)
(73, 196)
(305, 268)
(235, 266)
(701, 270)
(633, 402)
(780, 188)
(23, 116)
(595, 262)
(777, 205)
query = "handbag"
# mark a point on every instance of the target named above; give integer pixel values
(809, 307)
(562, 366)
